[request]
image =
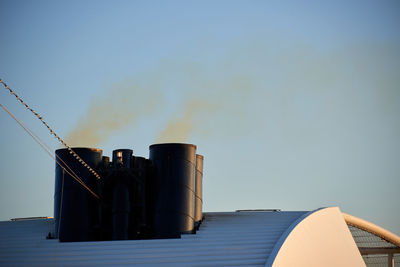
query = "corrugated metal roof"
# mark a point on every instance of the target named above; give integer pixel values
(224, 239)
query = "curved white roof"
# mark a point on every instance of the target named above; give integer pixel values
(321, 238)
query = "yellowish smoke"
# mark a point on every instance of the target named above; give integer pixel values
(179, 129)
(122, 105)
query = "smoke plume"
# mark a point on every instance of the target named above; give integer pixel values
(123, 105)
(179, 129)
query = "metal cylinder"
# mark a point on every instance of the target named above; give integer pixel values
(173, 189)
(198, 212)
(122, 158)
(120, 211)
(75, 209)
(106, 159)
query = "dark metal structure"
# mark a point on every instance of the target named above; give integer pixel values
(198, 212)
(75, 209)
(174, 188)
(122, 158)
(139, 198)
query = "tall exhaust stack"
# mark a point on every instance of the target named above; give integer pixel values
(135, 198)
(198, 212)
(75, 210)
(174, 184)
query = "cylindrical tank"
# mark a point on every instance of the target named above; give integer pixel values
(120, 210)
(122, 158)
(106, 159)
(75, 209)
(198, 212)
(174, 189)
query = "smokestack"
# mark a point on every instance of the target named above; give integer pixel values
(135, 198)
(75, 211)
(198, 212)
(122, 158)
(174, 188)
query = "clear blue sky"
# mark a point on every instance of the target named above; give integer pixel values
(294, 104)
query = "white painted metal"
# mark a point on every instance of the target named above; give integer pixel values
(224, 239)
(321, 238)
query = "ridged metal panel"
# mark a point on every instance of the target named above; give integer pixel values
(224, 239)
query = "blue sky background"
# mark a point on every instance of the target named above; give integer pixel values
(295, 105)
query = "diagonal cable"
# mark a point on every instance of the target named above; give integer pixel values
(42, 145)
(76, 156)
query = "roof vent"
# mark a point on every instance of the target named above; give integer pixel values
(259, 210)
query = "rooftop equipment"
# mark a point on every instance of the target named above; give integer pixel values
(198, 212)
(75, 210)
(174, 188)
(138, 198)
